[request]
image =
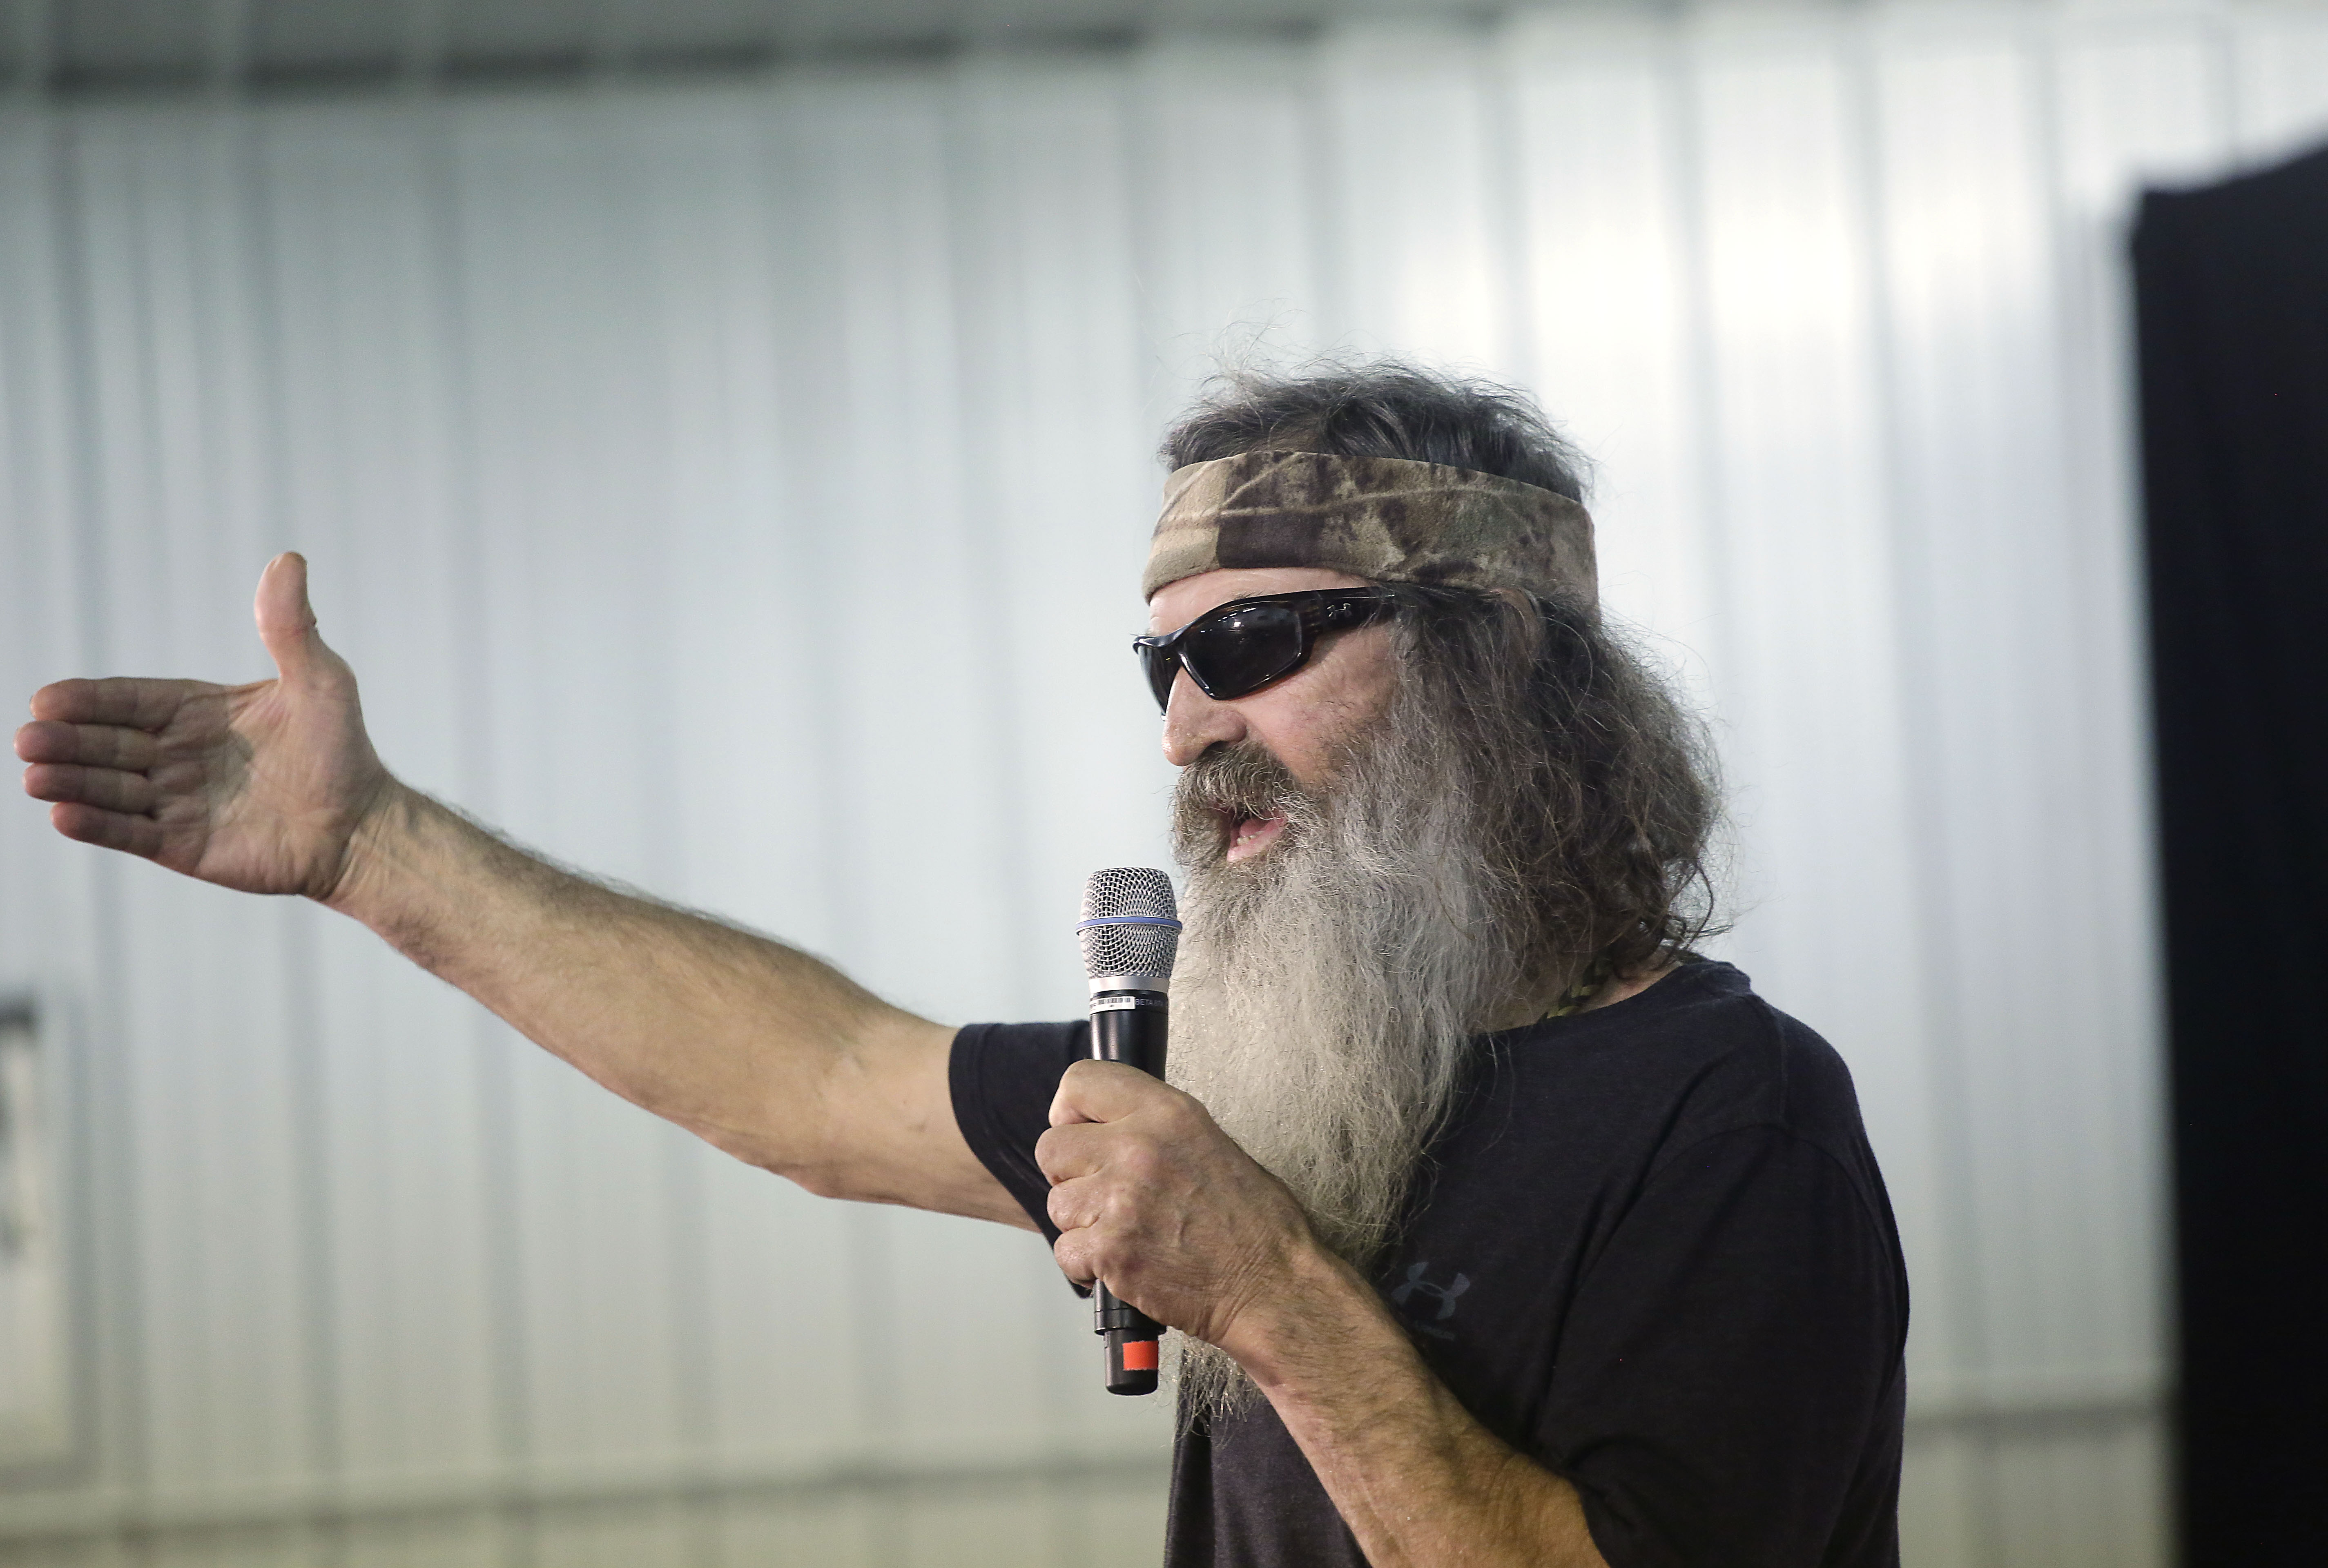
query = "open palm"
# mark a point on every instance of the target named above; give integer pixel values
(257, 787)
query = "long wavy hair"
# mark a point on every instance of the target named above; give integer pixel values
(1595, 786)
(1592, 784)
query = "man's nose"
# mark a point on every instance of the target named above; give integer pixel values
(1193, 723)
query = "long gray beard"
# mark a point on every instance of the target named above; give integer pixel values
(1327, 990)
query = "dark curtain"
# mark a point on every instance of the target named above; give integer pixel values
(2231, 284)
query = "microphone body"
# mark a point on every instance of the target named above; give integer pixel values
(1127, 1027)
(1129, 933)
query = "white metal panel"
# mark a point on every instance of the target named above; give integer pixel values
(727, 207)
(47, 922)
(2279, 80)
(458, 1542)
(209, 1010)
(2086, 1496)
(572, 576)
(844, 1527)
(607, 418)
(367, 476)
(1419, 234)
(1978, 494)
(1607, 194)
(1995, 574)
(1058, 454)
(1808, 669)
(59, 914)
(918, 823)
(1060, 480)
(1226, 155)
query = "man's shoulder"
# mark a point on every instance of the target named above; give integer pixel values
(1696, 1055)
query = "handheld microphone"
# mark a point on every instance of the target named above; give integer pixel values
(1130, 932)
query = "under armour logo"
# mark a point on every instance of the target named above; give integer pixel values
(1445, 1294)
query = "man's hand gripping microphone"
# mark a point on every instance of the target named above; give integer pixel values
(1130, 932)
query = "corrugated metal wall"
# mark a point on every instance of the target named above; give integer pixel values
(739, 492)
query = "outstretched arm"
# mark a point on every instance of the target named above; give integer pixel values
(274, 787)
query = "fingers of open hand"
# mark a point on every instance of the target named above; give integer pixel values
(137, 703)
(90, 744)
(86, 759)
(107, 789)
(108, 830)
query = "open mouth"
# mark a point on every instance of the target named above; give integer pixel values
(1249, 835)
(1232, 803)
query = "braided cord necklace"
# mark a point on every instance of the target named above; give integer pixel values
(1588, 986)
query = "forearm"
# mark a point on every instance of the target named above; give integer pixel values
(1418, 1480)
(274, 787)
(740, 1040)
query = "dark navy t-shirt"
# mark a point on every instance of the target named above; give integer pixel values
(1651, 1250)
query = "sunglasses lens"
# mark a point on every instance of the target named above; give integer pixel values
(1244, 650)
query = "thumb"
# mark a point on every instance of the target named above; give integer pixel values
(286, 623)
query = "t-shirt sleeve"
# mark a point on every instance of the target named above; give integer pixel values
(1729, 1374)
(1003, 1077)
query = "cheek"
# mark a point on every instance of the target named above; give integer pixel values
(1310, 721)
(1374, 679)
(1354, 688)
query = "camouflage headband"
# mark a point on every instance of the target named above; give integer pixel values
(1380, 518)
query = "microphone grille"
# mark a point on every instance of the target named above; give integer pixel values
(1134, 896)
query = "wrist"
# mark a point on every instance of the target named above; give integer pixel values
(1307, 1336)
(385, 827)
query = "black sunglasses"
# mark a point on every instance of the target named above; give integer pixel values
(1236, 649)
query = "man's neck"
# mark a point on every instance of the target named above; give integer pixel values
(1623, 988)
(1617, 988)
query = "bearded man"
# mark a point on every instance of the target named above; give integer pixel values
(1496, 1227)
